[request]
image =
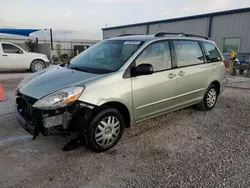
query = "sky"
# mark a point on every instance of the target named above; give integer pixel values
(87, 17)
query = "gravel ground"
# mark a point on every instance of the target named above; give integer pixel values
(186, 148)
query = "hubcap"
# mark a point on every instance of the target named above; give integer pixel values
(211, 97)
(107, 131)
(38, 66)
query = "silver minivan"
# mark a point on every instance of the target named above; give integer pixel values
(119, 82)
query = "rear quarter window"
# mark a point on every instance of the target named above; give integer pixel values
(212, 53)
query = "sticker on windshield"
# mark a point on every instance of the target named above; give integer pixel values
(132, 42)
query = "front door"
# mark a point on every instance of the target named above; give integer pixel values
(193, 72)
(154, 94)
(13, 57)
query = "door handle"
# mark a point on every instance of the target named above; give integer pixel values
(171, 75)
(5, 55)
(181, 73)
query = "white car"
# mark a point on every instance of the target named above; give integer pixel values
(14, 57)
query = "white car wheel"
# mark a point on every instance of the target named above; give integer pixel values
(37, 65)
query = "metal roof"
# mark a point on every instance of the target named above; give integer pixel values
(184, 18)
(22, 32)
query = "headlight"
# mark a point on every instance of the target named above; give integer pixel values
(60, 98)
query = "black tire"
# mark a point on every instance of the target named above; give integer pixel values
(92, 128)
(241, 71)
(248, 73)
(204, 103)
(234, 72)
(37, 63)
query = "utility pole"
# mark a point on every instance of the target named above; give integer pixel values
(51, 38)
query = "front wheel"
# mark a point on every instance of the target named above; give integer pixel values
(209, 99)
(105, 130)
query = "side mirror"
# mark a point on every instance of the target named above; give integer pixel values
(143, 69)
(20, 52)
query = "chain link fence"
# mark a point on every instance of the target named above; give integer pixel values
(61, 47)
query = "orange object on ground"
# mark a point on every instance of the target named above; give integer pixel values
(2, 96)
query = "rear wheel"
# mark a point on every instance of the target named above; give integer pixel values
(248, 73)
(241, 71)
(37, 65)
(105, 130)
(209, 99)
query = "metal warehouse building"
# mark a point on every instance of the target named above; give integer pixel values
(229, 29)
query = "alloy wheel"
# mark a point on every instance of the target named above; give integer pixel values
(38, 66)
(107, 131)
(211, 97)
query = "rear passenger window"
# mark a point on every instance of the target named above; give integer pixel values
(212, 54)
(188, 53)
(156, 54)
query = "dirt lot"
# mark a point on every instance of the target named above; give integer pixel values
(187, 148)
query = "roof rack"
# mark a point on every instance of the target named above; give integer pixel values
(123, 35)
(162, 34)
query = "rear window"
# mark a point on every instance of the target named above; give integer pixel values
(212, 53)
(188, 53)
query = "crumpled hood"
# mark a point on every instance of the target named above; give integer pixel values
(49, 80)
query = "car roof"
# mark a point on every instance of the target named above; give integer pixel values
(155, 38)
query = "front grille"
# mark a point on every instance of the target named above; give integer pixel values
(25, 104)
(29, 103)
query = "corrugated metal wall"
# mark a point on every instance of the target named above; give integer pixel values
(131, 30)
(226, 26)
(196, 26)
(233, 25)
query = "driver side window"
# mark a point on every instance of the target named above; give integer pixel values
(158, 55)
(10, 49)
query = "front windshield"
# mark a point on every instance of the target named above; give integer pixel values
(106, 56)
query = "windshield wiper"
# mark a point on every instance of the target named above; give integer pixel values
(78, 68)
(75, 68)
(66, 64)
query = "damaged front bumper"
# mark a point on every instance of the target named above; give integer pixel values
(46, 122)
(28, 127)
(48, 125)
